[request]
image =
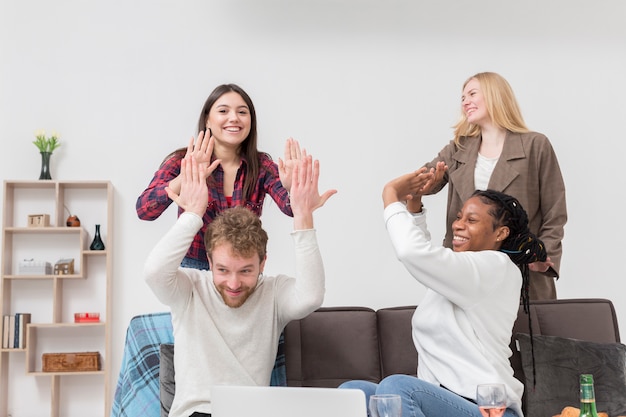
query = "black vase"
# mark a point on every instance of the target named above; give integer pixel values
(97, 243)
(45, 166)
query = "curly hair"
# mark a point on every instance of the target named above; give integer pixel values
(241, 228)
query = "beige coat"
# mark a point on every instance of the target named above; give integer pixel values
(527, 170)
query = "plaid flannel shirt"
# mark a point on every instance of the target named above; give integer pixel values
(154, 200)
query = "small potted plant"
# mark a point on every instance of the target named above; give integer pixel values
(46, 146)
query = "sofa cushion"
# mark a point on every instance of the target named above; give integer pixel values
(167, 387)
(558, 365)
(395, 335)
(332, 345)
(591, 319)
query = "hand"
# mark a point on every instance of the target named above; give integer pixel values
(292, 157)
(541, 266)
(202, 151)
(194, 192)
(414, 202)
(408, 187)
(305, 197)
(439, 172)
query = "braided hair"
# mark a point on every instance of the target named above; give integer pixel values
(522, 246)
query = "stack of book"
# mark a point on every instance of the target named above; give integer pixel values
(14, 330)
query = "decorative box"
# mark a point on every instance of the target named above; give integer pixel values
(38, 220)
(32, 267)
(64, 267)
(86, 317)
(71, 362)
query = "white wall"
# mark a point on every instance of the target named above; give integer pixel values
(371, 88)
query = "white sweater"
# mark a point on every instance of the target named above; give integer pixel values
(216, 344)
(462, 327)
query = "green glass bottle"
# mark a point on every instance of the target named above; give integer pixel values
(587, 397)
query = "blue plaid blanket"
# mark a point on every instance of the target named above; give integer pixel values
(137, 390)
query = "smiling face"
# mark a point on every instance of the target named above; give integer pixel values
(229, 120)
(234, 276)
(473, 229)
(473, 103)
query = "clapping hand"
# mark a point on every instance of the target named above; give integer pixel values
(407, 187)
(438, 173)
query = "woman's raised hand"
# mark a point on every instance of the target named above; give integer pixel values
(305, 196)
(408, 186)
(202, 151)
(293, 155)
(194, 192)
(438, 173)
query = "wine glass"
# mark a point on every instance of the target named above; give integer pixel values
(385, 405)
(491, 399)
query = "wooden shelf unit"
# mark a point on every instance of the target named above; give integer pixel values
(53, 299)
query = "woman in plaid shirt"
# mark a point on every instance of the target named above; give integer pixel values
(241, 174)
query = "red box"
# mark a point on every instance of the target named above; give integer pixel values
(86, 317)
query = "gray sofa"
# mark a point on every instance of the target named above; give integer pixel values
(336, 344)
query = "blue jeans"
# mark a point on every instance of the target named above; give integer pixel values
(421, 398)
(194, 263)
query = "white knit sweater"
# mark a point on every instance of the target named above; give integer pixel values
(462, 327)
(217, 344)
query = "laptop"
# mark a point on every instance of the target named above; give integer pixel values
(238, 401)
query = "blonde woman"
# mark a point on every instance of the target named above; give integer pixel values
(493, 149)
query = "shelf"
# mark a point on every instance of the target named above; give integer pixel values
(12, 350)
(55, 325)
(53, 299)
(76, 184)
(95, 252)
(46, 229)
(41, 373)
(67, 276)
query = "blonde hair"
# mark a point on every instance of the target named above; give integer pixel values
(501, 105)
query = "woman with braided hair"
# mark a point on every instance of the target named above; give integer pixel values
(462, 327)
